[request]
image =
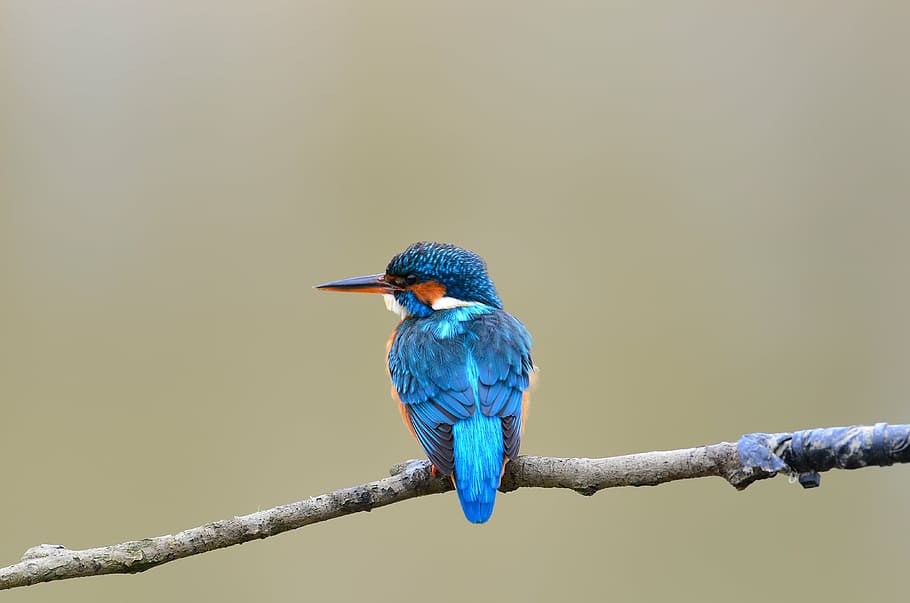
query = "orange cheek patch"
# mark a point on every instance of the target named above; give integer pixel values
(428, 292)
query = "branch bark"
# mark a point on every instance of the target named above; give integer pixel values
(411, 479)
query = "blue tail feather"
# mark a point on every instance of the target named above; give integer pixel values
(478, 464)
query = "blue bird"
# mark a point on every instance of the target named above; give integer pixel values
(460, 365)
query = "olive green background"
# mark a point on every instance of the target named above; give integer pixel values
(700, 210)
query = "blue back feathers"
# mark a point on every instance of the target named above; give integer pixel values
(461, 374)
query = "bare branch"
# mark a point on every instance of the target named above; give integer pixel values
(802, 452)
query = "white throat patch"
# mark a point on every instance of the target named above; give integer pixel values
(443, 303)
(392, 305)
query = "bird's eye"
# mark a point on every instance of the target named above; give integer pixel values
(410, 279)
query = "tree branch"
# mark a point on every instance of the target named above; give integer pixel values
(756, 456)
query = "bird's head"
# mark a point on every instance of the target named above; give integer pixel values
(427, 277)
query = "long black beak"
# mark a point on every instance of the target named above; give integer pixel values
(372, 283)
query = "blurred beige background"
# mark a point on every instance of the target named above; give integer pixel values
(700, 210)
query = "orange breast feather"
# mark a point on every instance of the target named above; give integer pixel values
(401, 408)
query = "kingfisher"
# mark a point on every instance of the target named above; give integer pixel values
(460, 365)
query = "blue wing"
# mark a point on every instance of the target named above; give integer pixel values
(444, 366)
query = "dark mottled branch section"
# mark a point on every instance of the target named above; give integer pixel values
(811, 451)
(756, 456)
